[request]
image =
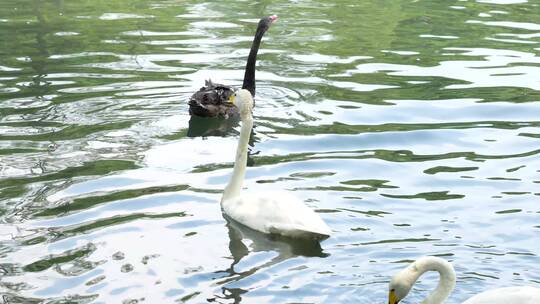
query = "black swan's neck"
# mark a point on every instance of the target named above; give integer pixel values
(249, 75)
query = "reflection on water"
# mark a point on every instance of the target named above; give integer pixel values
(411, 127)
(203, 126)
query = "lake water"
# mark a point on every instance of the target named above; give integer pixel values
(412, 127)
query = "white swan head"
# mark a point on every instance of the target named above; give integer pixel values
(402, 282)
(243, 100)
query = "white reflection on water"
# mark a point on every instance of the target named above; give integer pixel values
(494, 71)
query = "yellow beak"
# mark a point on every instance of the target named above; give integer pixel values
(231, 99)
(392, 299)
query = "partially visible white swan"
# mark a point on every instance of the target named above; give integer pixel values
(274, 213)
(403, 281)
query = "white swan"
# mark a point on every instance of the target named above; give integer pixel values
(274, 213)
(403, 281)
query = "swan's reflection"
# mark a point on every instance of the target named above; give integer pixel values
(285, 246)
(205, 126)
(244, 240)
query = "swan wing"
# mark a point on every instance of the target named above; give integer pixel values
(508, 295)
(212, 100)
(277, 213)
(296, 231)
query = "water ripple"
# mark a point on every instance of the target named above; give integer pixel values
(410, 128)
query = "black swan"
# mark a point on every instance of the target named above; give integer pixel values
(212, 100)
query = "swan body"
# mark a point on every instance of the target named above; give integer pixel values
(212, 100)
(276, 213)
(402, 282)
(507, 295)
(272, 213)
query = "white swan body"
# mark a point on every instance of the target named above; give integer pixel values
(403, 281)
(507, 295)
(274, 213)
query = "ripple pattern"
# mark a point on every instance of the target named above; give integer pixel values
(411, 127)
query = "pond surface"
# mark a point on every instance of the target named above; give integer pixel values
(412, 127)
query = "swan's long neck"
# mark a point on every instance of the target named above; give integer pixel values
(249, 75)
(239, 171)
(447, 279)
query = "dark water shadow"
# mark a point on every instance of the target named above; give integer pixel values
(207, 126)
(286, 247)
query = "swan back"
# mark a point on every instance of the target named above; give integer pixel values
(507, 295)
(276, 213)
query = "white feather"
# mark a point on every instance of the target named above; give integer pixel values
(507, 295)
(279, 213)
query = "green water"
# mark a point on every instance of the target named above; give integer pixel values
(412, 127)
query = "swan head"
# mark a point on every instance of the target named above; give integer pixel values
(243, 100)
(401, 284)
(266, 22)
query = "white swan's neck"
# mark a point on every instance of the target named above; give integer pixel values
(447, 279)
(239, 171)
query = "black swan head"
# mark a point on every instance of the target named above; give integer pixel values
(265, 23)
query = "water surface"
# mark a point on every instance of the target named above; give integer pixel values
(411, 127)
